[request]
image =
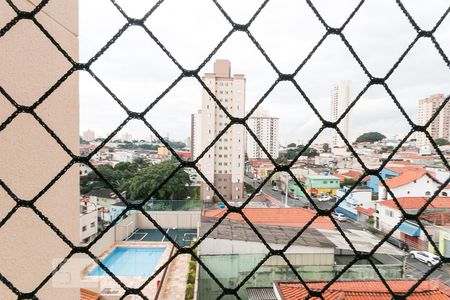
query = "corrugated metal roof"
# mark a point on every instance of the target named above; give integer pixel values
(240, 231)
(261, 293)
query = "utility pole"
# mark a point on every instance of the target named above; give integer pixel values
(286, 191)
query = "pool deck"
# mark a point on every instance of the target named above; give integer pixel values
(110, 288)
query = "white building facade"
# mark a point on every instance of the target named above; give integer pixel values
(196, 134)
(266, 129)
(223, 164)
(340, 100)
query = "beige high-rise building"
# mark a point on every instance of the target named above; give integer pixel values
(88, 135)
(265, 128)
(340, 100)
(440, 127)
(223, 164)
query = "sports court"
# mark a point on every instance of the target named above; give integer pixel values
(182, 236)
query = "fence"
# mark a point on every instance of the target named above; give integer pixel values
(19, 17)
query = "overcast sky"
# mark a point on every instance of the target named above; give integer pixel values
(137, 70)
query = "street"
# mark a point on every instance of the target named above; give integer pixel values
(291, 202)
(416, 269)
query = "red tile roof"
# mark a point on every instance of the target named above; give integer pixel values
(295, 217)
(364, 290)
(184, 153)
(366, 211)
(404, 169)
(436, 217)
(88, 295)
(407, 177)
(417, 202)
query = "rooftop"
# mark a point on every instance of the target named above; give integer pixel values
(320, 177)
(417, 202)
(366, 211)
(364, 290)
(88, 295)
(407, 177)
(238, 230)
(295, 217)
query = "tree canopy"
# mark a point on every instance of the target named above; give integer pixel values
(441, 142)
(370, 137)
(148, 179)
(139, 179)
(291, 153)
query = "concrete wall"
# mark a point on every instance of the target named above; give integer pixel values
(29, 157)
(125, 227)
(170, 219)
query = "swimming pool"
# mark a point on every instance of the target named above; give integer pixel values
(130, 261)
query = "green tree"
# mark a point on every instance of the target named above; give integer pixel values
(147, 180)
(441, 142)
(348, 182)
(292, 145)
(177, 145)
(370, 137)
(326, 147)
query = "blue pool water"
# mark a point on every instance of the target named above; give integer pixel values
(130, 261)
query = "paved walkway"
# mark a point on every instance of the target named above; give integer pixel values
(174, 286)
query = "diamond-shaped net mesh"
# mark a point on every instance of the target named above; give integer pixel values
(194, 73)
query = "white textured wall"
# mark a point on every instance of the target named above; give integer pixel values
(29, 157)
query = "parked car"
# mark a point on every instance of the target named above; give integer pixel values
(275, 188)
(340, 217)
(398, 243)
(324, 197)
(426, 257)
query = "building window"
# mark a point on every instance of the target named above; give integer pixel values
(427, 193)
(83, 228)
(92, 224)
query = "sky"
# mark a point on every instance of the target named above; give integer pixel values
(138, 71)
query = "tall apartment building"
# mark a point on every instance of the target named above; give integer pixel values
(340, 100)
(266, 129)
(88, 135)
(127, 137)
(440, 127)
(196, 134)
(223, 164)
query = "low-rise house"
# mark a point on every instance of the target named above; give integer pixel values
(319, 184)
(363, 215)
(358, 197)
(386, 173)
(411, 183)
(438, 224)
(88, 220)
(388, 215)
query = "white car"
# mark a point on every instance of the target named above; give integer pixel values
(275, 188)
(324, 197)
(340, 217)
(426, 257)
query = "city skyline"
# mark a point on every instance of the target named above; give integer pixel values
(420, 75)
